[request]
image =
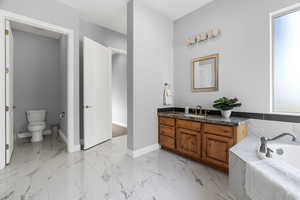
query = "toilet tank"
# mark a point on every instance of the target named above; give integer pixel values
(36, 115)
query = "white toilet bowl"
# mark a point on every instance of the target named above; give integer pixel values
(36, 130)
(37, 124)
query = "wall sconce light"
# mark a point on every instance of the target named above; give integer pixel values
(201, 37)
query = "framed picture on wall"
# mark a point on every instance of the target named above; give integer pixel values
(205, 74)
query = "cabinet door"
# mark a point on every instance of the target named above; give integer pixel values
(215, 149)
(188, 142)
(167, 142)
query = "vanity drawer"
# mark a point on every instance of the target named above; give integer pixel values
(167, 141)
(188, 125)
(167, 121)
(219, 130)
(167, 130)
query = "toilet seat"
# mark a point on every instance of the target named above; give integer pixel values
(36, 127)
(37, 124)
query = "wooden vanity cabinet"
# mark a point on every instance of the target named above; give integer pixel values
(188, 138)
(215, 149)
(217, 140)
(204, 142)
(167, 132)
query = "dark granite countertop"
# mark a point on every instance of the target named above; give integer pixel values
(214, 119)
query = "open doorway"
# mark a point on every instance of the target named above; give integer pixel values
(100, 92)
(38, 76)
(37, 86)
(119, 92)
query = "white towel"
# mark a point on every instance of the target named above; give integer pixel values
(272, 179)
(168, 92)
(167, 96)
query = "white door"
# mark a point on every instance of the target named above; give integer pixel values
(97, 93)
(9, 88)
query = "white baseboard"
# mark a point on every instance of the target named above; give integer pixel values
(143, 151)
(120, 124)
(2, 165)
(74, 148)
(71, 148)
(63, 136)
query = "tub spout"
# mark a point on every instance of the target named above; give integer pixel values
(282, 135)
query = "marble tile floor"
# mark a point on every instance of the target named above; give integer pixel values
(45, 171)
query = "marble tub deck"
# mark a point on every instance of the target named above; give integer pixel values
(45, 171)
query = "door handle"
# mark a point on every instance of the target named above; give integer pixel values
(87, 107)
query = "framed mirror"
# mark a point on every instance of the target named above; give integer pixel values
(205, 74)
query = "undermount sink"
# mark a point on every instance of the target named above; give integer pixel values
(285, 152)
(195, 116)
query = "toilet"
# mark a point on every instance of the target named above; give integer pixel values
(36, 124)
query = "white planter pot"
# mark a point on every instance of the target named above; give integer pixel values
(226, 113)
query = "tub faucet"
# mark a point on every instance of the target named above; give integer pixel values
(264, 140)
(263, 145)
(282, 135)
(269, 153)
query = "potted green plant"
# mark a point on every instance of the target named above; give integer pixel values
(225, 105)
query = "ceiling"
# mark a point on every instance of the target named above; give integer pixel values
(112, 13)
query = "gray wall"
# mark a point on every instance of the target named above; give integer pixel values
(150, 64)
(243, 47)
(36, 77)
(119, 89)
(63, 53)
(55, 13)
(102, 35)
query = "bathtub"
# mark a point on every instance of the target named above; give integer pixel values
(247, 152)
(287, 153)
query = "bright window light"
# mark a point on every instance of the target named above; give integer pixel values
(286, 63)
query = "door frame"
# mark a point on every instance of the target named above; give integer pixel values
(122, 52)
(5, 15)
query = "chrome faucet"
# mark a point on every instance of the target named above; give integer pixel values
(269, 153)
(198, 110)
(282, 135)
(264, 141)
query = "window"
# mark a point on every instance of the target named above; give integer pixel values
(285, 86)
